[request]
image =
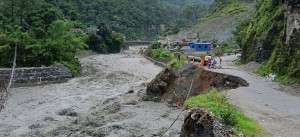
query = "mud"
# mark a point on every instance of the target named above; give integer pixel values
(172, 85)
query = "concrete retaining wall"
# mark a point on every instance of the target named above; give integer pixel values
(37, 75)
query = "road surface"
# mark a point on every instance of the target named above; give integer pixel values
(278, 112)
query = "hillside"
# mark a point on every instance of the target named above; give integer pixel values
(218, 24)
(272, 37)
(139, 19)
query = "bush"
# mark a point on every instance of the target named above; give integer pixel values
(265, 70)
(73, 65)
(159, 54)
(237, 62)
(175, 63)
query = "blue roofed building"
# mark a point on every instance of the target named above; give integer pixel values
(200, 46)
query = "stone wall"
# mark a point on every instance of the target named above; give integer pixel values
(36, 75)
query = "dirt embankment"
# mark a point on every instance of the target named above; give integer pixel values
(172, 85)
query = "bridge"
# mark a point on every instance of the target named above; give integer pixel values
(133, 43)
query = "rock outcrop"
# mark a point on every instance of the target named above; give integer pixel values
(199, 122)
(293, 21)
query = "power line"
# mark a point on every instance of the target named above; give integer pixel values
(180, 111)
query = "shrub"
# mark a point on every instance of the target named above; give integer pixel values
(159, 54)
(73, 65)
(175, 63)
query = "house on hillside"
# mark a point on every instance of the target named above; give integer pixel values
(75, 30)
(91, 30)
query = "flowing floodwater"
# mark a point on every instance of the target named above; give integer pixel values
(103, 84)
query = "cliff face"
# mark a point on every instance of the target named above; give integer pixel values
(293, 22)
(293, 36)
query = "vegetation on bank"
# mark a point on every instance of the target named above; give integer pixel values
(263, 71)
(262, 39)
(163, 55)
(217, 103)
(237, 62)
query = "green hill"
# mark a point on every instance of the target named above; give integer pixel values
(219, 23)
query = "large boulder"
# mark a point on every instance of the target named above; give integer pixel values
(200, 122)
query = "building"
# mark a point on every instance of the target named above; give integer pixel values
(200, 46)
(75, 30)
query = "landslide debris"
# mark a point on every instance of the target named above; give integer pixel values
(172, 85)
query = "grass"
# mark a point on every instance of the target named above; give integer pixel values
(264, 71)
(285, 80)
(217, 103)
(237, 62)
(227, 11)
(175, 63)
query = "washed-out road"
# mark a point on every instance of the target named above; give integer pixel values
(276, 111)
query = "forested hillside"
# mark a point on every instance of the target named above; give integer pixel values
(136, 20)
